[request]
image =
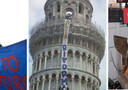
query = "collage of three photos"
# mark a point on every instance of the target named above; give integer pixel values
(66, 45)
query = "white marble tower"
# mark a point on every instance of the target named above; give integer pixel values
(86, 45)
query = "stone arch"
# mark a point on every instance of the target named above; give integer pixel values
(83, 55)
(81, 8)
(40, 78)
(76, 77)
(89, 79)
(87, 18)
(46, 76)
(55, 52)
(58, 7)
(69, 76)
(70, 53)
(94, 81)
(69, 9)
(50, 15)
(53, 75)
(89, 56)
(77, 54)
(49, 53)
(82, 79)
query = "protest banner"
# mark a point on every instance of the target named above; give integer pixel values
(13, 67)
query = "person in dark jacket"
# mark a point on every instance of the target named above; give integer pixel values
(110, 83)
(118, 85)
(1, 45)
(60, 88)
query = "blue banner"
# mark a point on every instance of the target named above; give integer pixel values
(13, 66)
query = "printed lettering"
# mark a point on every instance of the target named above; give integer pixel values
(16, 83)
(64, 66)
(4, 60)
(64, 59)
(16, 61)
(64, 73)
(23, 81)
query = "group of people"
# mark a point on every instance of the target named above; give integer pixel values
(114, 85)
(60, 88)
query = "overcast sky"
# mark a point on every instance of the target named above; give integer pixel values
(13, 21)
(36, 13)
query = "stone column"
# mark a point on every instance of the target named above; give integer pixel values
(80, 60)
(36, 65)
(98, 88)
(52, 55)
(45, 61)
(72, 82)
(49, 86)
(89, 65)
(86, 63)
(40, 64)
(98, 70)
(86, 83)
(73, 62)
(33, 67)
(77, 8)
(91, 85)
(33, 86)
(43, 79)
(80, 83)
(57, 79)
(37, 84)
(95, 67)
(61, 9)
(98, 67)
(59, 60)
(94, 87)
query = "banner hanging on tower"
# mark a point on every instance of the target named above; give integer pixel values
(64, 53)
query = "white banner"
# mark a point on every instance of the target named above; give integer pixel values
(64, 55)
(112, 1)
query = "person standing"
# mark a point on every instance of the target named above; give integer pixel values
(1, 45)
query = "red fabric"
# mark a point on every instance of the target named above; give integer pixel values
(125, 15)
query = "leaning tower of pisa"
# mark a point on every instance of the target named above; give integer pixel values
(86, 45)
